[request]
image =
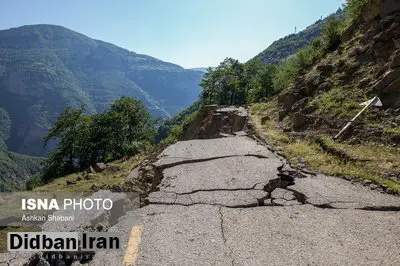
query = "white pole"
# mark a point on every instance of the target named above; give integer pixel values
(354, 118)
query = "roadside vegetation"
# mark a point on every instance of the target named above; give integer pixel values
(170, 130)
(111, 178)
(367, 161)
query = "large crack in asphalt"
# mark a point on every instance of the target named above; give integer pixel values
(224, 237)
(285, 179)
(239, 206)
(191, 161)
(217, 189)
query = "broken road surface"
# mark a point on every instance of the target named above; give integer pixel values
(222, 202)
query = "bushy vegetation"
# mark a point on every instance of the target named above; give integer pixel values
(338, 102)
(328, 41)
(175, 132)
(353, 8)
(170, 127)
(331, 33)
(124, 129)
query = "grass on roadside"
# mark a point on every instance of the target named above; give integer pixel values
(103, 179)
(370, 161)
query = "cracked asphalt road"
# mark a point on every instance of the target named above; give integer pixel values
(222, 202)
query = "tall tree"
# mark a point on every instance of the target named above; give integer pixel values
(122, 130)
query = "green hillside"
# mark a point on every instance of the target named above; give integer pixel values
(15, 169)
(281, 49)
(45, 68)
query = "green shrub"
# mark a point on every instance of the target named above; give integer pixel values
(34, 181)
(175, 132)
(166, 126)
(353, 8)
(331, 33)
(174, 135)
(286, 73)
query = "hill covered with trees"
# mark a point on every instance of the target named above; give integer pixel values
(45, 68)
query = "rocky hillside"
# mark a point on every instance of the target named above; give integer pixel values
(44, 68)
(283, 48)
(366, 64)
(303, 119)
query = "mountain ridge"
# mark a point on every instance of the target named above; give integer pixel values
(45, 68)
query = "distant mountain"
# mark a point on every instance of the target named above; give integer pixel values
(281, 49)
(200, 69)
(45, 68)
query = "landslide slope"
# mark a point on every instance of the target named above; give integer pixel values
(302, 120)
(366, 64)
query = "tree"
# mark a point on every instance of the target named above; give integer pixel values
(124, 129)
(233, 83)
(259, 80)
(72, 129)
(224, 85)
(132, 125)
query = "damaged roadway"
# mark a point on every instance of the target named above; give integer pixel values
(232, 201)
(222, 202)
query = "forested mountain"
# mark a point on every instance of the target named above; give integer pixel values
(15, 169)
(281, 49)
(45, 68)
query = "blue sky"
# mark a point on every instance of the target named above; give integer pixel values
(191, 33)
